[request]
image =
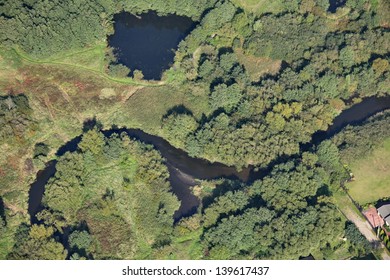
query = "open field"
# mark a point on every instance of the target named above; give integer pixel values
(260, 6)
(89, 59)
(372, 176)
(66, 91)
(257, 67)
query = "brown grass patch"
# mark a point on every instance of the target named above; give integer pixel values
(257, 67)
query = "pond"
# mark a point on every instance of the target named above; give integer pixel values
(148, 42)
(184, 170)
(334, 4)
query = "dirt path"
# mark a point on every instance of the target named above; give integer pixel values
(130, 93)
(66, 96)
(85, 68)
(365, 228)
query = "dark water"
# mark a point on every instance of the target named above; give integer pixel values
(184, 170)
(38, 188)
(148, 42)
(334, 4)
(2, 210)
(354, 116)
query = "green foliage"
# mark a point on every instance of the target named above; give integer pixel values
(225, 97)
(356, 142)
(80, 239)
(229, 202)
(230, 232)
(353, 234)
(41, 150)
(15, 117)
(292, 221)
(347, 57)
(118, 70)
(324, 4)
(328, 155)
(92, 142)
(108, 229)
(313, 62)
(120, 188)
(177, 127)
(45, 28)
(272, 33)
(39, 244)
(2, 226)
(219, 16)
(185, 8)
(66, 188)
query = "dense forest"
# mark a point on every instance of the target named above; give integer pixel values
(357, 141)
(254, 121)
(111, 198)
(249, 86)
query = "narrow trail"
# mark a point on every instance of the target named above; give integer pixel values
(130, 93)
(66, 96)
(101, 74)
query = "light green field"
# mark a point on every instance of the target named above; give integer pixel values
(88, 59)
(260, 6)
(372, 176)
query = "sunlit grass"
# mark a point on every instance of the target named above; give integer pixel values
(260, 6)
(90, 59)
(372, 176)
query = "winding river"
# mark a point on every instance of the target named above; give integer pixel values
(184, 170)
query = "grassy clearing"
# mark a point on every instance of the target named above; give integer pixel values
(62, 98)
(372, 176)
(260, 6)
(256, 67)
(90, 59)
(345, 204)
(64, 94)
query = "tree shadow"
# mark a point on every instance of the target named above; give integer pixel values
(224, 50)
(177, 110)
(90, 124)
(227, 185)
(324, 191)
(2, 210)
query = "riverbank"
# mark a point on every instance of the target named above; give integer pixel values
(184, 170)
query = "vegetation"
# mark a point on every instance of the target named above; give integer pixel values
(15, 117)
(371, 173)
(357, 239)
(249, 86)
(366, 151)
(113, 187)
(292, 214)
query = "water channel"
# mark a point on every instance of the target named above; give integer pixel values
(184, 170)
